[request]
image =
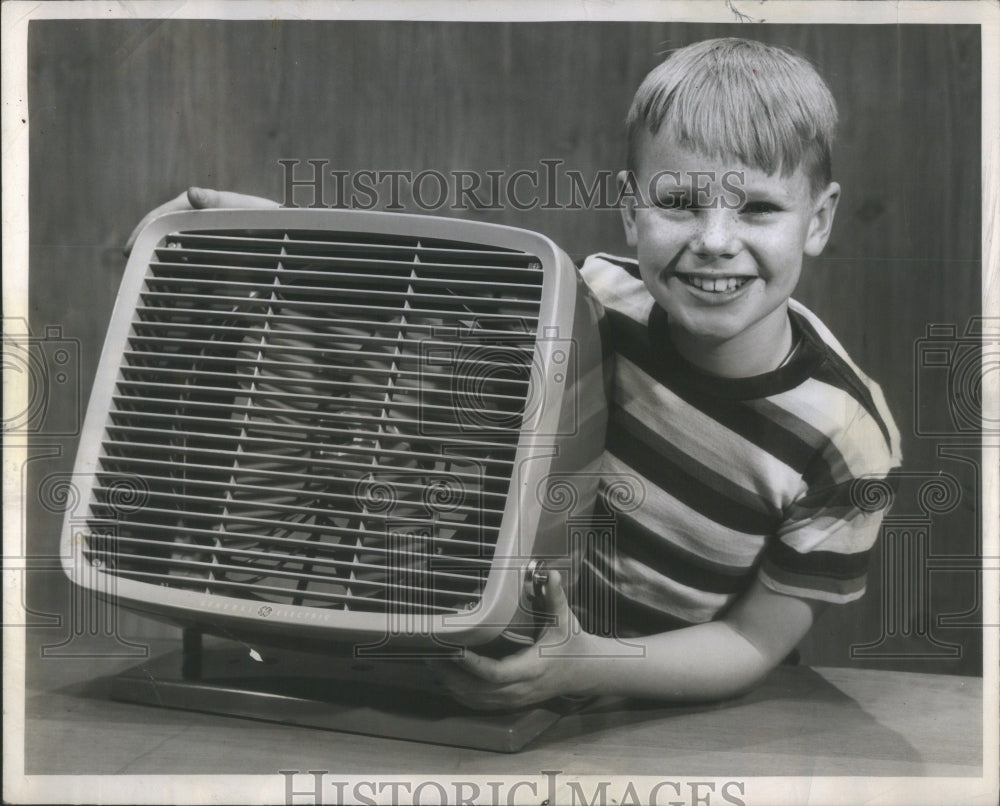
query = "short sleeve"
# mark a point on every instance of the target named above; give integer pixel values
(823, 545)
(823, 548)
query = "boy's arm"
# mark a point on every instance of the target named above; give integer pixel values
(704, 662)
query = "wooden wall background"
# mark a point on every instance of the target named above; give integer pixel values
(125, 114)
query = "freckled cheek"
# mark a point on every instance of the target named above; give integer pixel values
(782, 253)
(778, 262)
(657, 249)
(655, 228)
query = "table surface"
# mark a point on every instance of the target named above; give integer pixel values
(800, 722)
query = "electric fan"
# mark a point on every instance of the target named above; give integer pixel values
(339, 431)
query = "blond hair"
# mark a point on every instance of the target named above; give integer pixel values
(763, 106)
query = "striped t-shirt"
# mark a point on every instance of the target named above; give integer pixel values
(728, 479)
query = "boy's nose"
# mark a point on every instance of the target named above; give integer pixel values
(716, 234)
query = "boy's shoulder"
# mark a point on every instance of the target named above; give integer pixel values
(840, 399)
(616, 283)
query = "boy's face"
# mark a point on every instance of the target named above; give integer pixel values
(720, 245)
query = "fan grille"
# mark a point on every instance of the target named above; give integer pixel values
(320, 419)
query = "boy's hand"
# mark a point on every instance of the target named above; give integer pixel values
(198, 199)
(552, 667)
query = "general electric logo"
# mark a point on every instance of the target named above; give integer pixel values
(264, 611)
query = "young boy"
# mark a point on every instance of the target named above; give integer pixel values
(747, 425)
(745, 421)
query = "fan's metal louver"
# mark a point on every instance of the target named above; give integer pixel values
(333, 426)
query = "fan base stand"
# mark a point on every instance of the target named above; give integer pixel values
(398, 699)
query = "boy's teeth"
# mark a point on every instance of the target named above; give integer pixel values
(718, 284)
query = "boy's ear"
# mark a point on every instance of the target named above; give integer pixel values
(627, 205)
(822, 220)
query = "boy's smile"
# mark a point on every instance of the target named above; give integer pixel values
(720, 248)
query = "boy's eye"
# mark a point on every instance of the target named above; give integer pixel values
(673, 201)
(759, 207)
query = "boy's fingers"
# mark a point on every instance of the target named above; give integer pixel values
(555, 603)
(474, 691)
(195, 198)
(562, 622)
(503, 671)
(554, 595)
(459, 681)
(482, 667)
(446, 673)
(205, 198)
